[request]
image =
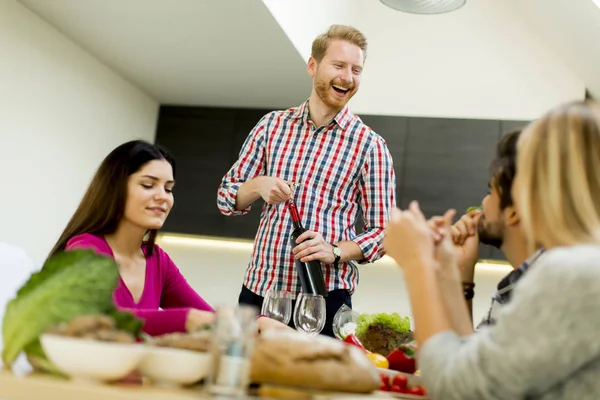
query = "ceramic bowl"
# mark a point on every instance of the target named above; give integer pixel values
(92, 359)
(167, 366)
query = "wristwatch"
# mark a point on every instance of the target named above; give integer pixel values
(337, 253)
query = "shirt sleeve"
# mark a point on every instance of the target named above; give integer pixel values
(378, 196)
(177, 299)
(177, 292)
(250, 164)
(539, 340)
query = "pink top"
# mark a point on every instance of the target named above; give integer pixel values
(165, 287)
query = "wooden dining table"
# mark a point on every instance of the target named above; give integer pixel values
(32, 386)
(40, 386)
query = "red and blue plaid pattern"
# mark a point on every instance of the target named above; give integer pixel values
(343, 167)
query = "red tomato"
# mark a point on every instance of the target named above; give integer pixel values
(400, 380)
(397, 389)
(416, 390)
(385, 382)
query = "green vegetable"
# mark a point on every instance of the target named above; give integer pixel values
(392, 321)
(70, 284)
(37, 358)
(383, 333)
(473, 208)
(126, 321)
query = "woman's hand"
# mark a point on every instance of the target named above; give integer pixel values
(409, 238)
(446, 251)
(464, 238)
(197, 319)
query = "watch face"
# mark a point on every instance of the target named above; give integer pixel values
(337, 251)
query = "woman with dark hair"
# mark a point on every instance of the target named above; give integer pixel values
(120, 214)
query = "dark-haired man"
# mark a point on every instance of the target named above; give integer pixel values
(496, 224)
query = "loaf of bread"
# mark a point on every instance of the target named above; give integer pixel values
(291, 358)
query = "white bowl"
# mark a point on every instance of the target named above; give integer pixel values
(92, 359)
(166, 366)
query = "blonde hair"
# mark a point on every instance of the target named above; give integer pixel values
(339, 32)
(558, 169)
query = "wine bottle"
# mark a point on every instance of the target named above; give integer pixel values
(310, 273)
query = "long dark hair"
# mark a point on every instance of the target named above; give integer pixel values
(103, 204)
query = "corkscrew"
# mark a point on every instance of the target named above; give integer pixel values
(293, 186)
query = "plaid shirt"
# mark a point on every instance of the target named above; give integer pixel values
(343, 167)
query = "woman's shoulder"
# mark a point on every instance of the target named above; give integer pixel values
(569, 267)
(581, 256)
(161, 263)
(160, 256)
(89, 241)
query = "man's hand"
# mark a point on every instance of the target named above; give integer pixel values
(313, 247)
(274, 190)
(466, 239)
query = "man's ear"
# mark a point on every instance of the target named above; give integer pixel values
(511, 218)
(312, 66)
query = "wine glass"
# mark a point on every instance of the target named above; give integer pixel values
(310, 313)
(277, 305)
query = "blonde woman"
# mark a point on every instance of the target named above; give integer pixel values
(546, 343)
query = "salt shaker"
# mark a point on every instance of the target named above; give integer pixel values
(232, 345)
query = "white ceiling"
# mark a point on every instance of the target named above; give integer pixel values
(234, 53)
(481, 61)
(188, 52)
(571, 28)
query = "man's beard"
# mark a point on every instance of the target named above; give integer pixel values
(486, 236)
(323, 87)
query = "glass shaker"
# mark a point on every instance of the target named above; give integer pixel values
(232, 344)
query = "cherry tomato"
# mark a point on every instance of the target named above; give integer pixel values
(397, 389)
(416, 391)
(385, 382)
(400, 380)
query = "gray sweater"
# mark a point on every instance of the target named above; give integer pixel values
(545, 345)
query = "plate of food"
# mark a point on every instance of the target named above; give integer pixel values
(387, 340)
(92, 348)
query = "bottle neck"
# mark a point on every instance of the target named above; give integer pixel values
(294, 214)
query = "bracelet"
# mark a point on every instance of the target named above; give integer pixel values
(468, 291)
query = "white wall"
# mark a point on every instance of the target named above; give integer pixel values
(61, 112)
(478, 62)
(215, 269)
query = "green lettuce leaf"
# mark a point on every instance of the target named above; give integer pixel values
(393, 321)
(126, 321)
(37, 358)
(70, 284)
(472, 208)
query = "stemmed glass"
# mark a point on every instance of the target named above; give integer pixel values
(277, 305)
(310, 313)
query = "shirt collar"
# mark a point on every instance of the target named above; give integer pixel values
(531, 259)
(342, 118)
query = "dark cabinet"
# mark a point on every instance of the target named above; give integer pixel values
(443, 163)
